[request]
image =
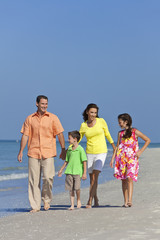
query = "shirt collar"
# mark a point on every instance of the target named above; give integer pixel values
(70, 148)
(36, 114)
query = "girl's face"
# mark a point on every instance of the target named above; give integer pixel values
(92, 114)
(122, 124)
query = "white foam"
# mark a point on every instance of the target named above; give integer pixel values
(13, 176)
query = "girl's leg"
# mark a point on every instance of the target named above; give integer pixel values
(130, 191)
(78, 198)
(125, 191)
(93, 187)
(72, 200)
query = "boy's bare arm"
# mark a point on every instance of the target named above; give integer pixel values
(62, 168)
(84, 176)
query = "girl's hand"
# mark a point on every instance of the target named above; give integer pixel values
(60, 173)
(111, 163)
(138, 154)
(84, 176)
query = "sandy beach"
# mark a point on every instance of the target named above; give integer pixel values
(109, 221)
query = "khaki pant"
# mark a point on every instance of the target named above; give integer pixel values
(36, 167)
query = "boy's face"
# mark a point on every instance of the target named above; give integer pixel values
(71, 139)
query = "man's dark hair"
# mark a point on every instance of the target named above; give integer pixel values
(41, 97)
(75, 134)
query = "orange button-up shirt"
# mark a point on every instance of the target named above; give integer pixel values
(42, 131)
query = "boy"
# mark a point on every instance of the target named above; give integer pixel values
(76, 167)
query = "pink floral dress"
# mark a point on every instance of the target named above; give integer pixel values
(127, 165)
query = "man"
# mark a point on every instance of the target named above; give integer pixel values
(40, 130)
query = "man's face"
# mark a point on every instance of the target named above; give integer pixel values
(42, 105)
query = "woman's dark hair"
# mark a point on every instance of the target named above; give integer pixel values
(41, 97)
(91, 105)
(127, 117)
(75, 134)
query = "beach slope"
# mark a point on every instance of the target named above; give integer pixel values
(109, 221)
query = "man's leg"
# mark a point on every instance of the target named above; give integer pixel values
(48, 171)
(34, 191)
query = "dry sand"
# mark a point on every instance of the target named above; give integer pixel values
(109, 221)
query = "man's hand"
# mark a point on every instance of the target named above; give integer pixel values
(63, 154)
(19, 157)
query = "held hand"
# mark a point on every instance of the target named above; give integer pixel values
(19, 157)
(111, 163)
(63, 154)
(84, 176)
(60, 173)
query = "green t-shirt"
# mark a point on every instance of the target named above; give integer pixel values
(75, 159)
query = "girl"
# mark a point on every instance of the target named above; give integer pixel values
(127, 154)
(95, 129)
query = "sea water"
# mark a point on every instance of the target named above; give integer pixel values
(14, 176)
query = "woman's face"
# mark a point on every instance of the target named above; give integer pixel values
(92, 114)
(122, 124)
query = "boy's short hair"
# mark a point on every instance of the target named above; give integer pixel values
(75, 134)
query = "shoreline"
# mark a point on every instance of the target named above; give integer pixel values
(109, 221)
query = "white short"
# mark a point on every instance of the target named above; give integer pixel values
(96, 161)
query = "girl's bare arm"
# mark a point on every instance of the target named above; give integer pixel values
(145, 138)
(115, 151)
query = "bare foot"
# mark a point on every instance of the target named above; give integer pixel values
(71, 208)
(129, 204)
(34, 210)
(96, 202)
(46, 206)
(79, 204)
(88, 206)
(125, 205)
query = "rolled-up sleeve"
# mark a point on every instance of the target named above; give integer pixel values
(57, 126)
(25, 127)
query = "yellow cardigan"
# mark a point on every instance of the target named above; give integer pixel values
(96, 142)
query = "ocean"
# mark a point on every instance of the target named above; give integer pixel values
(14, 176)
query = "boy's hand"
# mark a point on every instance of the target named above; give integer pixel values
(60, 173)
(84, 176)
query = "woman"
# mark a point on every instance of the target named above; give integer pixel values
(95, 129)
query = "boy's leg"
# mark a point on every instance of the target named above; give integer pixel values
(125, 191)
(130, 191)
(78, 199)
(72, 200)
(77, 186)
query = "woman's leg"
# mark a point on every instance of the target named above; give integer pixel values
(125, 191)
(130, 191)
(93, 187)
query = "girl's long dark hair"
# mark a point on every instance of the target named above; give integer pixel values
(127, 117)
(91, 105)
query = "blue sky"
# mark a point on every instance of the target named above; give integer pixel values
(78, 52)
